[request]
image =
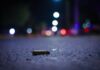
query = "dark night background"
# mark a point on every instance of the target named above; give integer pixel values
(35, 13)
(26, 27)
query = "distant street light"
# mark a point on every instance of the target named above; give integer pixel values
(54, 29)
(12, 31)
(56, 14)
(29, 30)
(54, 22)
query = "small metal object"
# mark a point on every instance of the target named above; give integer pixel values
(40, 52)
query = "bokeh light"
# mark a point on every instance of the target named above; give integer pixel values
(76, 26)
(63, 32)
(12, 31)
(54, 22)
(48, 33)
(87, 24)
(29, 30)
(86, 30)
(54, 29)
(56, 14)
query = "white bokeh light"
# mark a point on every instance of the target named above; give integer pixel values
(29, 30)
(56, 14)
(12, 31)
(54, 29)
(54, 22)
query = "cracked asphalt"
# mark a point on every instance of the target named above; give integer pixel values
(66, 53)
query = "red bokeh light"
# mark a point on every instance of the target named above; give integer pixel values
(63, 32)
(86, 30)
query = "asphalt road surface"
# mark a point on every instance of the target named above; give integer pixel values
(66, 53)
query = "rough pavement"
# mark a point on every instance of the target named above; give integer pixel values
(66, 53)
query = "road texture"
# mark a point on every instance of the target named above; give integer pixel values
(66, 53)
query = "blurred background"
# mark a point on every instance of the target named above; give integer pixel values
(49, 17)
(69, 30)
